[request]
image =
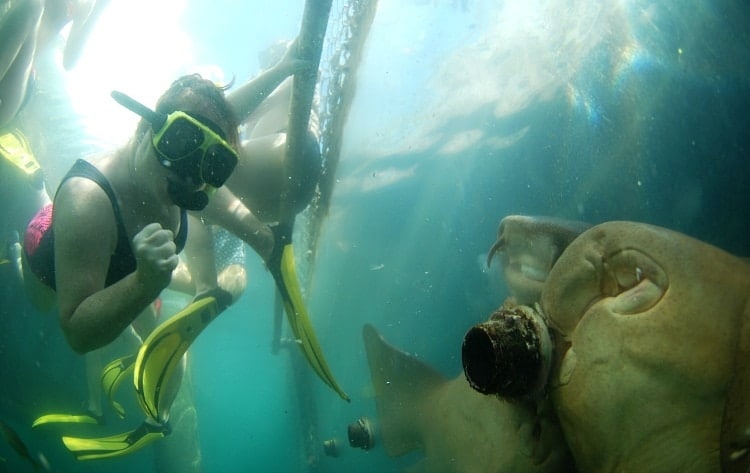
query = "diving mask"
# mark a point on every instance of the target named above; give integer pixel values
(186, 145)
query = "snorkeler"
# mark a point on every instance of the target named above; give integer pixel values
(180, 153)
(262, 104)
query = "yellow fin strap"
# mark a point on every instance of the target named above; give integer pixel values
(112, 377)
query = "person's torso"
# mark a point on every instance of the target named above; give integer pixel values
(127, 219)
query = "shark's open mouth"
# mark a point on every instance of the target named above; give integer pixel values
(534, 273)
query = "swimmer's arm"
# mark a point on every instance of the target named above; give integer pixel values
(246, 99)
(17, 46)
(91, 315)
(228, 211)
(85, 15)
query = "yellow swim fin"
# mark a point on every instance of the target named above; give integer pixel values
(15, 148)
(154, 366)
(282, 267)
(162, 351)
(113, 375)
(115, 445)
(64, 419)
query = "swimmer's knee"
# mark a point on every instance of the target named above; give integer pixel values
(233, 279)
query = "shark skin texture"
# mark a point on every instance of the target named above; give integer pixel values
(652, 355)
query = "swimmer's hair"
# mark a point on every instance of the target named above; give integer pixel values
(193, 93)
(228, 85)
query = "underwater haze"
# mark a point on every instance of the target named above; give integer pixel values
(465, 111)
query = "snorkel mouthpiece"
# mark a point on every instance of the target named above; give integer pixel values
(185, 198)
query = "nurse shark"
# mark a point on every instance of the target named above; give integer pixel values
(528, 247)
(653, 351)
(456, 428)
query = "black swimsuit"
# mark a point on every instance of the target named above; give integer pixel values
(122, 262)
